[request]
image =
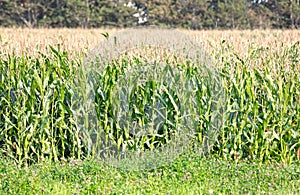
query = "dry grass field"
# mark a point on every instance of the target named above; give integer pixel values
(76, 41)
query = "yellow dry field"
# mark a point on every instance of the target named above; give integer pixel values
(80, 41)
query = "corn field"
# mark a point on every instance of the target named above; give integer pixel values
(40, 69)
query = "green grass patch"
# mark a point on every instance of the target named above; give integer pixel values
(186, 175)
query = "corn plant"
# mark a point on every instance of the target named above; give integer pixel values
(262, 108)
(41, 99)
(36, 120)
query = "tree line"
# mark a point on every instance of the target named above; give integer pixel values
(192, 14)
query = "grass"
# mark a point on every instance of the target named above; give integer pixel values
(186, 175)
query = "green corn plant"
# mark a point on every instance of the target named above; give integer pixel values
(35, 115)
(262, 115)
(39, 98)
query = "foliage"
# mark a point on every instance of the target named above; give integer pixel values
(193, 14)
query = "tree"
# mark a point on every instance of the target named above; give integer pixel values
(193, 14)
(231, 13)
(29, 12)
